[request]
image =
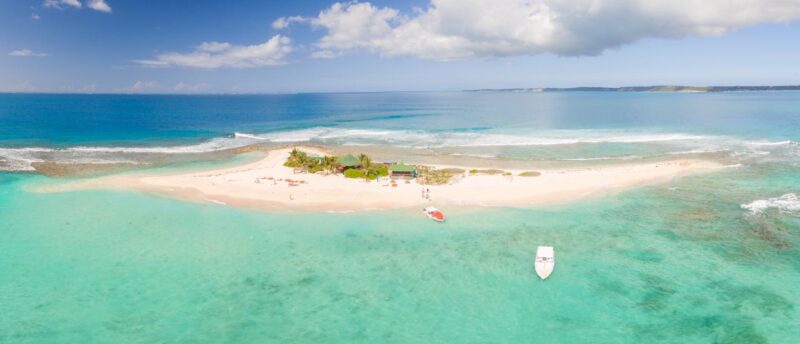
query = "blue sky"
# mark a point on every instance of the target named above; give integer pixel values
(322, 46)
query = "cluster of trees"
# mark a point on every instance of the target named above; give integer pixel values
(301, 160)
(367, 169)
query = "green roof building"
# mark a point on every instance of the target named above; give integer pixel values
(401, 169)
(348, 161)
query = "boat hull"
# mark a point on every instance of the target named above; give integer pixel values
(434, 214)
(545, 261)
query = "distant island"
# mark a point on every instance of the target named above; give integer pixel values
(662, 88)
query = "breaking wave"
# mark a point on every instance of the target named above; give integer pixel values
(439, 139)
(786, 203)
(21, 159)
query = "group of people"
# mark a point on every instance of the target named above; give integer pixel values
(426, 193)
(290, 182)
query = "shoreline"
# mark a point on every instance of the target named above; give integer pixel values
(264, 184)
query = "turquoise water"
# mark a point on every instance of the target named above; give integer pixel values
(682, 262)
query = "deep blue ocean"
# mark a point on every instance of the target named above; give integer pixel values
(63, 120)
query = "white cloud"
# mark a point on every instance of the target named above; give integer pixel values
(144, 86)
(213, 55)
(35, 16)
(91, 88)
(185, 87)
(461, 29)
(284, 22)
(26, 53)
(98, 5)
(59, 4)
(24, 86)
(214, 47)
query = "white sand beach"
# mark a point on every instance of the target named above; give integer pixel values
(267, 184)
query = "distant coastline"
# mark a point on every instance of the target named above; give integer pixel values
(661, 88)
(658, 88)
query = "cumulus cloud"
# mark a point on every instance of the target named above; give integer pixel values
(212, 55)
(91, 88)
(284, 22)
(186, 87)
(462, 29)
(97, 5)
(24, 86)
(26, 53)
(59, 4)
(144, 86)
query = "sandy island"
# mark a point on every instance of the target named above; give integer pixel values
(263, 185)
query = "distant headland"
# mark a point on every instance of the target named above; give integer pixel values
(662, 88)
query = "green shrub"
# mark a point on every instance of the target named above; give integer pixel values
(530, 174)
(354, 173)
(473, 171)
(452, 170)
(292, 164)
(430, 176)
(491, 171)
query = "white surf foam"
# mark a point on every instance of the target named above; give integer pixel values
(416, 138)
(622, 157)
(786, 203)
(437, 139)
(772, 143)
(212, 145)
(698, 151)
(247, 136)
(474, 155)
(492, 139)
(22, 158)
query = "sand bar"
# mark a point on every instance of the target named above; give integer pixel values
(263, 185)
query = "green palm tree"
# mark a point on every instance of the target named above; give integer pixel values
(294, 158)
(364, 160)
(366, 163)
(329, 163)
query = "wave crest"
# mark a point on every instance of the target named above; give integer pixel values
(21, 159)
(786, 203)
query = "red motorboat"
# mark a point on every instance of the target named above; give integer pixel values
(434, 214)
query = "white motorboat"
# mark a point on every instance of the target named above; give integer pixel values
(545, 261)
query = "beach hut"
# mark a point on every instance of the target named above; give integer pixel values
(399, 169)
(347, 162)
